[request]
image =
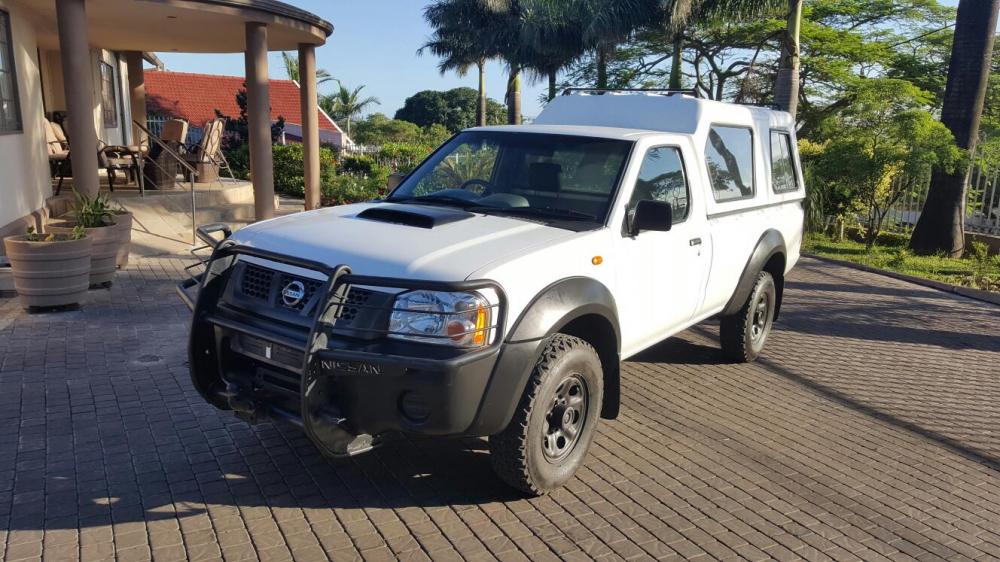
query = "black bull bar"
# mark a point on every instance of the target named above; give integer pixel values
(320, 420)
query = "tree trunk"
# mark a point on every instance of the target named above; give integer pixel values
(675, 61)
(941, 226)
(602, 67)
(481, 108)
(786, 84)
(552, 85)
(514, 96)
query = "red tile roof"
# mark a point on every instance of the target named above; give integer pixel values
(195, 97)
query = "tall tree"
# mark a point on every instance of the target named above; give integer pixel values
(345, 104)
(291, 63)
(941, 226)
(786, 84)
(458, 45)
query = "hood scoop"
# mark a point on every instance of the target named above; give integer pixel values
(419, 216)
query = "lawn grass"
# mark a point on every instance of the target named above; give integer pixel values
(976, 272)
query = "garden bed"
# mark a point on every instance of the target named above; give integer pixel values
(976, 270)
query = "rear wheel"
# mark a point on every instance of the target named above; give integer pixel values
(548, 437)
(743, 334)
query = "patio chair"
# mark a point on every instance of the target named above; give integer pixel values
(116, 159)
(162, 174)
(58, 146)
(207, 157)
(174, 133)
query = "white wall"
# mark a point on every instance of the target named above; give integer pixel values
(24, 167)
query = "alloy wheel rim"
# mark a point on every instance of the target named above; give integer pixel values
(760, 313)
(565, 418)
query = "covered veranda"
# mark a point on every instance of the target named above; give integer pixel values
(72, 28)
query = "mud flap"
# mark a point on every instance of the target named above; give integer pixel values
(323, 424)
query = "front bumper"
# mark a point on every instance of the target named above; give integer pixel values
(341, 391)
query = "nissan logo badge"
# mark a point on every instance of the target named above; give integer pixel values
(293, 293)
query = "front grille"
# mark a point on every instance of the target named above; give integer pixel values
(256, 282)
(356, 298)
(258, 290)
(311, 285)
(285, 355)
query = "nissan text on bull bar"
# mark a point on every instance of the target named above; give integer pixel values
(495, 290)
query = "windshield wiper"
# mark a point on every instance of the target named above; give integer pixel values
(569, 214)
(446, 199)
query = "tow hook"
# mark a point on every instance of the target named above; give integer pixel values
(242, 404)
(332, 434)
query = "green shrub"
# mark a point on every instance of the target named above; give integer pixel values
(239, 161)
(358, 165)
(345, 189)
(289, 170)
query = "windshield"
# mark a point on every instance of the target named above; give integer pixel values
(527, 175)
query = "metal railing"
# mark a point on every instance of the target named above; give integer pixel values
(982, 203)
(192, 174)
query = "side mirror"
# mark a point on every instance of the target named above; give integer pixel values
(394, 180)
(651, 215)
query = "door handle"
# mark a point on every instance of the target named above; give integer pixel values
(694, 241)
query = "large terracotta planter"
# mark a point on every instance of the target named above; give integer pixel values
(48, 274)
(104, 252)
(123, 223)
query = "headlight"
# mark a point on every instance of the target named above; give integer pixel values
(443, 318)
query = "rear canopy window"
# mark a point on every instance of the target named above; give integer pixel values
(729, 156)
(783, 178)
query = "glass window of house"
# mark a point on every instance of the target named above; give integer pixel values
(10, 107)
(109, 101)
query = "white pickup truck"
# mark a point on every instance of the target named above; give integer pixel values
(498, 286)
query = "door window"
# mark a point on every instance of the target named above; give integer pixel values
(661, 178)
(729, 155)
(783, 178)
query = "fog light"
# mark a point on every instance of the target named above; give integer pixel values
(414, 407)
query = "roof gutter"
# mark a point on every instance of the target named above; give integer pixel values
(152, 59)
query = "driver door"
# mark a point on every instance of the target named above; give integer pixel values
(663, 274)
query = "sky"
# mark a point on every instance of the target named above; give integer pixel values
(374, 43)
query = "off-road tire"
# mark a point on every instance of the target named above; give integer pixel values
(742, 336)
(518, 453)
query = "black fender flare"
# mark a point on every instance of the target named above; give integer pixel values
(552, 309)
(771, 243)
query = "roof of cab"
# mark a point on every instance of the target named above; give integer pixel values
(641, 111)
(574, 130)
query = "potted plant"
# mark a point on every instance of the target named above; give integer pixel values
(50, 270)
(94, 214)
(123, 224)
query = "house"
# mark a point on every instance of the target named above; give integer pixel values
(81, 61)
(196, 97)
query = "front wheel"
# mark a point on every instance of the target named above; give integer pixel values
(743, 334)
(548, 437)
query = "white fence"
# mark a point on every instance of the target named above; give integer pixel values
(982, 204)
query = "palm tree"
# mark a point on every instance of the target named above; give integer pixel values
(345, 104)
(457, 44)
(941, 226)
(291, 63)
(786, 84)
(473, 31)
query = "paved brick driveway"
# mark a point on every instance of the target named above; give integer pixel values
(868, 431)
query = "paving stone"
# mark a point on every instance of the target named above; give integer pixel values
(866, 430)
